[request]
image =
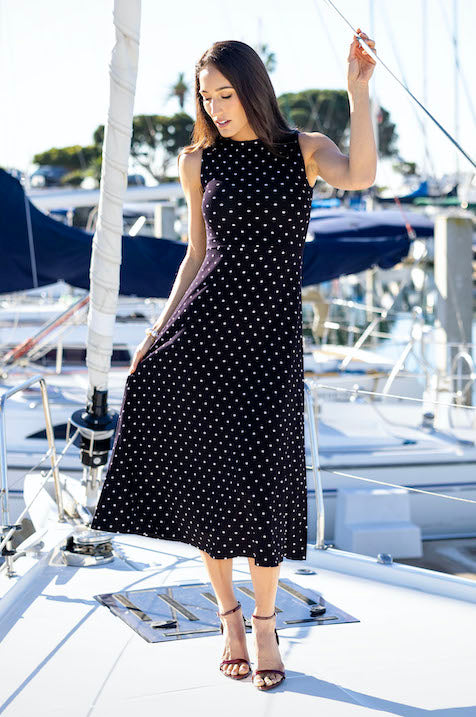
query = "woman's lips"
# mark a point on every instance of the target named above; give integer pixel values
(224, 123)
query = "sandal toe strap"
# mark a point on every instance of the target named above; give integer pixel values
(258, 672)
(235, 661)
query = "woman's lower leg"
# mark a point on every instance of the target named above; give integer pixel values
(220, 574)
(265, 585)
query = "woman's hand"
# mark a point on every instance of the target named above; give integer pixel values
(361, 64)
(140, 352)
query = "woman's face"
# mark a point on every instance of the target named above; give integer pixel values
(221, 102)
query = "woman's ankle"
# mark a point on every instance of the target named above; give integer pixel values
(228, 606)
(263, 616)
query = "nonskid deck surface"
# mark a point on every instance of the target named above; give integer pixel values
(63, 653)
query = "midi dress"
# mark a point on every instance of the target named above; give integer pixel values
(209, 444)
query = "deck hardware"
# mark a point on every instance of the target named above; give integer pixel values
(186, 611)
(317, 610)
(86, 548)
(385, 558)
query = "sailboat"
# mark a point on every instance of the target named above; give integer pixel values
(88, 619)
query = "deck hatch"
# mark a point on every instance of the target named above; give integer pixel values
(176, 612)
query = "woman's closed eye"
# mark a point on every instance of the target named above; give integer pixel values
(207, 99)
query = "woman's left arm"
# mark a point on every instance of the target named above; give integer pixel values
(358, 170)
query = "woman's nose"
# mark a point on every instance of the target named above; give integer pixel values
(215, 108)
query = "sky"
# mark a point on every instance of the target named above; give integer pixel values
(55, 57)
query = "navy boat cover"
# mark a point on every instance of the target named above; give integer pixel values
(343, 242)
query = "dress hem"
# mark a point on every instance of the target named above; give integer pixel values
(199, 547)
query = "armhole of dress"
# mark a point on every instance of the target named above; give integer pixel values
(202, 170)
(302, 161)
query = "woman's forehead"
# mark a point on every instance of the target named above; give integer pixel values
(212, 80)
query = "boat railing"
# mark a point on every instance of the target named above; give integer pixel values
(7, 528)
(418, 338)
(311, 387)
(463, 357)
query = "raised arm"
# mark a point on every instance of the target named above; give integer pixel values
(358, 170)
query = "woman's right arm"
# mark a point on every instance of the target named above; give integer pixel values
(189, 172)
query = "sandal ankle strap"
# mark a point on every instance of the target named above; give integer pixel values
(265, 617)
(229, 611)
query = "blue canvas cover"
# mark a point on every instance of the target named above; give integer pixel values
(344, 242)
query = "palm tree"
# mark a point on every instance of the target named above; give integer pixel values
(268, 57)
(179, 90)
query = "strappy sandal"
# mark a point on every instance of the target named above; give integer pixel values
(236, 660)
(269, 670)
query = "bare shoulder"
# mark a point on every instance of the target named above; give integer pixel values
(190, 164)
(324, 159)
(311, 142)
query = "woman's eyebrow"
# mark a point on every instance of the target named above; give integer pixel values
(225, 87)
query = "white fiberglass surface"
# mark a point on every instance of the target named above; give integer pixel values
(64, 653)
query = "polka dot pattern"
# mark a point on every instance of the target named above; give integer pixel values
(209, 445)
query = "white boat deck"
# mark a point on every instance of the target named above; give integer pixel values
(64, 654)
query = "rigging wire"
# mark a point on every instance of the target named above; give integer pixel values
(462, 75)
(419, 119)
(378, 59)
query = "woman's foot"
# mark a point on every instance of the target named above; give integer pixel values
(235, 643)
(267, 652)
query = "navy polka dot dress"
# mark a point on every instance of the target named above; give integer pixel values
(209, 445)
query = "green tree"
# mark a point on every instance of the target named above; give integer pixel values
(80, 161)
(327, 111)
(156, 140)
(268, 57)
(179, 90)
(72, 158)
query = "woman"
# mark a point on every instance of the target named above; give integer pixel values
(209, 447)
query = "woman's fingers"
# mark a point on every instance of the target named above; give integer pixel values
(364, 36)
(134, 363)
(369, 42)
(139, 354)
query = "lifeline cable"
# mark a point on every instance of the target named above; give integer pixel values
(397, 485)
(378, 59)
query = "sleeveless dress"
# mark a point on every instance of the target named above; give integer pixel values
(209, 444)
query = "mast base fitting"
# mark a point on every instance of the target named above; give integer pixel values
(97, 427)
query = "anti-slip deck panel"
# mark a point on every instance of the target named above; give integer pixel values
(183, 611)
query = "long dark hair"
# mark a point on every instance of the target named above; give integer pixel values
(245, 70)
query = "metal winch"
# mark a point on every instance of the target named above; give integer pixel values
(88, 547)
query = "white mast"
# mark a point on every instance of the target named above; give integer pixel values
(96, 424)
(106, 250)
